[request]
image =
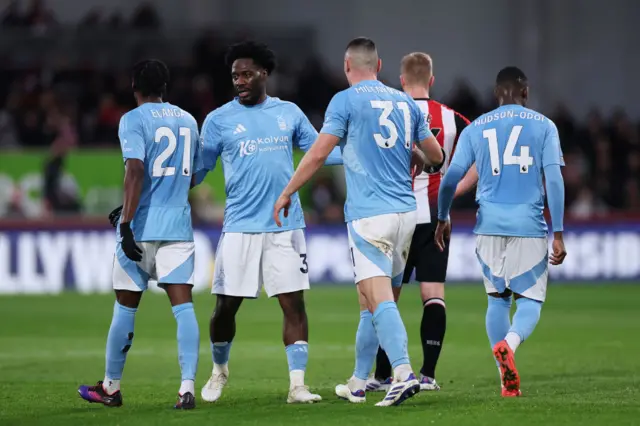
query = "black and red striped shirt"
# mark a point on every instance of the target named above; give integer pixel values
(446, 125)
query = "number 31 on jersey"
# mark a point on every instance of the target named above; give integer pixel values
(523, 161)
(387, 109)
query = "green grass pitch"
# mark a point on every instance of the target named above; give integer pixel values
(580, 367)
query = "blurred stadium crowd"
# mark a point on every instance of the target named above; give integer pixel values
(61, 107)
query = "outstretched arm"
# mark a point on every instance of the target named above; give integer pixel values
(306, 135)
(311, 162)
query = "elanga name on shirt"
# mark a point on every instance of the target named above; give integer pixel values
(167, 112)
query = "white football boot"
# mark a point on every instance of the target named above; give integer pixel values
(212, 390)
(428, 384)
(375, 385)
(400, 392)
(350, 392)
(301, 395)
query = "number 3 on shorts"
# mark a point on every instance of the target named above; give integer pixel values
(305, 267)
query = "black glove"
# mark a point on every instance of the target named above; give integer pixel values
(114, 216)
(435, 169)
(129, 246)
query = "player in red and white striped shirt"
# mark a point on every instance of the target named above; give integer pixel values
(429, 262)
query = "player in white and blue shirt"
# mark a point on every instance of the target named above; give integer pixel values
(517, 154)
(155, 238)
(376, 127)
(254, 136)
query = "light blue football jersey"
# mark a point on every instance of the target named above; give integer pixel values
(256, 144)
(165, 138)
(510, 145)
(378, 126)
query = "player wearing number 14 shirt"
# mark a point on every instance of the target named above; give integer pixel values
(155, 236)
(517, 154)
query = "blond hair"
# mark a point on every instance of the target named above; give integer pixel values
(417, 69)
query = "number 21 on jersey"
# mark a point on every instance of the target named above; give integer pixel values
(383, 120)
(523, 161)
(166, 132)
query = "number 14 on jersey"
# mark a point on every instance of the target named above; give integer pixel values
(523, 161)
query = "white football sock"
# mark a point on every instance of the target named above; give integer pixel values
(513, 340)
(357, 384)
(187, 386)
(110, 385)
(296, 378)
(402, 372)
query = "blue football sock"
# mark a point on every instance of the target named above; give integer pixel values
(220, 352)
(188, 339)
(526, 317)
(119, 340)
(297, 355)
(391, 333)
(497, 319)
(366, 346)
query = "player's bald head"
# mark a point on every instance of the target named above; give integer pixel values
(362, 55)
(417, 69)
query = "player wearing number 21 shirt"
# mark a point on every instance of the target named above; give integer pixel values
(155, 235)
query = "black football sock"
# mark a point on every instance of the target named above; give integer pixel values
(383, 366)
(434, 324)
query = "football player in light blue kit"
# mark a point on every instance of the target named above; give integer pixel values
(376, 127)
(517, 154)
(254, 136)
(155, 240)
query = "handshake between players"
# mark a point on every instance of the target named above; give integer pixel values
(378, 133)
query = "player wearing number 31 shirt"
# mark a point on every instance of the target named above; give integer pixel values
(377, 128)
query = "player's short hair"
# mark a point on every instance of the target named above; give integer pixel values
(363, 53)
(256, 51)
(417, 68)
(511, 75)
(150, 77)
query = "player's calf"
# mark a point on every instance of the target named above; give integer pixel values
(188, 341)
(432, 331)
(119, 341)
(524, 322)
(295, 337)
(366, 346)
(222, 330)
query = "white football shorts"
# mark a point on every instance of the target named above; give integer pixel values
(246, 262)
(380, 245)
(515, 263)
(167, 262)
